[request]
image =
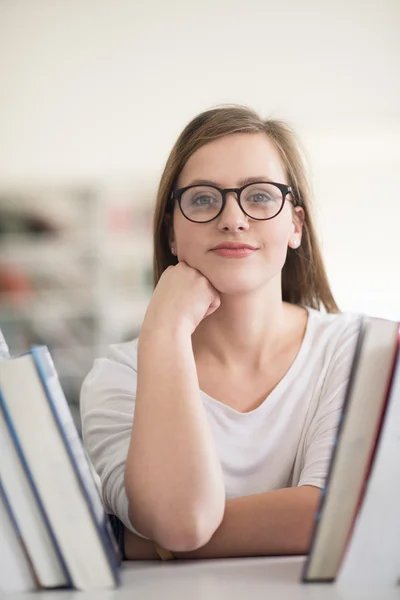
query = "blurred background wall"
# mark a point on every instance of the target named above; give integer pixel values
(94, 93)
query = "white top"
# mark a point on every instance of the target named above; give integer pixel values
(286, 441)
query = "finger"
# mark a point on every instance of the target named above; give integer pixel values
(213, 307)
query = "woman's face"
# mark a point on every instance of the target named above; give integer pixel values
(228, 163)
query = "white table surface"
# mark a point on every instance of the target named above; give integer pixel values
(232, 579)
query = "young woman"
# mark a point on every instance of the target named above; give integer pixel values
(212, 432)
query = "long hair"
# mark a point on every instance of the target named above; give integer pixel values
(304, 278)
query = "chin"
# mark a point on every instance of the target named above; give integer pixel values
(238, 283)
(240, 276)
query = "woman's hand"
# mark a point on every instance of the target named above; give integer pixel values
(184, 297)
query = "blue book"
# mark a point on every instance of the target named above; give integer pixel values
(35, 406)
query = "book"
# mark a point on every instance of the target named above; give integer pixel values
(28, 512)
(4, 352)
(373, 554)
(38, 414)
(16, 572)
(362, 415)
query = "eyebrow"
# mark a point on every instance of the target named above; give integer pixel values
(241, 183)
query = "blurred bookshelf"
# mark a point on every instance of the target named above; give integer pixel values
(75, 272)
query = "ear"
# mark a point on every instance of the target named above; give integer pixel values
(298, 216)
(298, 220)
(170, 228)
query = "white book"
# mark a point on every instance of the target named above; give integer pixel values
(28, 512)
(4, 352)
(34, 403)
(15, 571)
(363, 409)
(373, 555)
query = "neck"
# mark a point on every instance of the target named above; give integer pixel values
(246, 330)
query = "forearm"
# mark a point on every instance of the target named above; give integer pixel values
(173, 476)
(273, 523)
(278, 522)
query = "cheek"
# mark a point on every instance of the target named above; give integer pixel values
(189, 238)
(276, 233)
(188, 248)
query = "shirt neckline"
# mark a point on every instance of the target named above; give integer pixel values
(280, 386)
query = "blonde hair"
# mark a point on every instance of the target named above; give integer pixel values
(304, 278)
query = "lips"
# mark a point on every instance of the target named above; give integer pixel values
(234, 246)
(234, 250)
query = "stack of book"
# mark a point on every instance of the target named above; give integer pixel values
(356, 540)
(54, 530)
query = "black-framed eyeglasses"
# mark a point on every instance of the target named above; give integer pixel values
(261, 200)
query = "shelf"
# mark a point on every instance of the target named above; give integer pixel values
(84, 285)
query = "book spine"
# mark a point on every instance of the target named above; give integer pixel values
(65, 423)
(374, 451)
(4, 352)
(307, 575)
(35, 491)
(371, 557)
(28, 561)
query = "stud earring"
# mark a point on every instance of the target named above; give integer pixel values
(295, 242)
(173, 250)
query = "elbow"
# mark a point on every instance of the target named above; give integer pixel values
(177, 524)
(186, 534)
(179, 530)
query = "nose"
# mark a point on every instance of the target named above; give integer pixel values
(232, 217)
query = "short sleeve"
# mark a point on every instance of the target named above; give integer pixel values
(322, 431)
(107, 407)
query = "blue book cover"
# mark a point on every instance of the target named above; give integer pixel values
(65, 423)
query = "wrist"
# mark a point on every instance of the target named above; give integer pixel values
(157, 332)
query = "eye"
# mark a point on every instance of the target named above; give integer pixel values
(200, 199)
(259, 197)
(204, 200)
(262, 194)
